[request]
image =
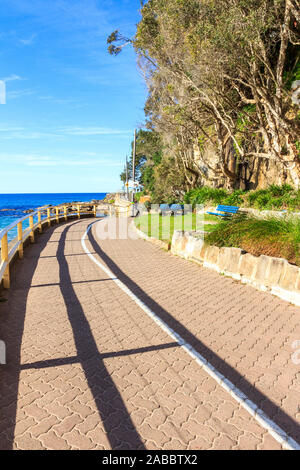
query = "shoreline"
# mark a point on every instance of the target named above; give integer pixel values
(14, 207)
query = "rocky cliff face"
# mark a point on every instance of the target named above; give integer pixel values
(254, 173)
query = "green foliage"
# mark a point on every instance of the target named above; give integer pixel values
(214, 65)
(147, 205)
(207, 195)
(138, 195)
(263, 201)
(244, 117)
(235, 198)
(277, 190)
(278, 237)
(204, 195)
(292, 75)
(148, 156)
(273, 198)
(297, 144)
(120, 40)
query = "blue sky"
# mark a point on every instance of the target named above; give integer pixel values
(70, 107)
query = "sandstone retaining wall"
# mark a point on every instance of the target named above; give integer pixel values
(264, 272)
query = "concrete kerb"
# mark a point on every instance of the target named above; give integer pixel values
(160, 243)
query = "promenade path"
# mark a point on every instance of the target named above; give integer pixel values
(87, 368)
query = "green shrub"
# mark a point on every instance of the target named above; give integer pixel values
(273, 198)
(277, 191)
(276, 203)
(147, 205)
(235, 198)
(137, 196)
(294, 201)
(254, 195)
(263, 201)
(204, 195)
(279, 237)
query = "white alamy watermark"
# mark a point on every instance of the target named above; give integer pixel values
(296, 354)
(2, 352)
(2, 92)
(158, 221)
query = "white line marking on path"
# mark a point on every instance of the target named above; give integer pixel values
(281, 436)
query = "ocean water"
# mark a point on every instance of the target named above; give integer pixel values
(18, 203)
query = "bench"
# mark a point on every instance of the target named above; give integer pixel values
(225, 211)
(177, 209)
(174, 209)
(164, 209)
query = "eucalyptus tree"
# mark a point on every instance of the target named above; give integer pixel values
(220, 73)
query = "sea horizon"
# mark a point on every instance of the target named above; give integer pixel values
(14, 205)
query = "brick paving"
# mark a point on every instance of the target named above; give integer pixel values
(88, 369)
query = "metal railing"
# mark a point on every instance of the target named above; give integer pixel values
(37, 219)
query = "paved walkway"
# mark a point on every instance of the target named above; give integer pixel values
(88, 369)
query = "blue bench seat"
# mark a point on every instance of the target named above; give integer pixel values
(225, 211)
(164, 209)
(177, 209)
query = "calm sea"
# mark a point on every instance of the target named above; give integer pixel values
(18, 203)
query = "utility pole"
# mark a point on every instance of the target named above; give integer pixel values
(127, 189)
(133, 164)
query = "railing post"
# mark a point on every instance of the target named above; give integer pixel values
(31, 227)
(65, 213)
(4, 257)
(57, 214)
(48, 217)
(78, 211)
(20, 239)
(95, 211)
(40, 221)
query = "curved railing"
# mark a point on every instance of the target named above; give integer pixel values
(37, 219)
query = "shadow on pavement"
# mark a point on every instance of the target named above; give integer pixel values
(62, 361)
(116, 420)
(12, 317)
(278, 415)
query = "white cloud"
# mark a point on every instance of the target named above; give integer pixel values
(36, 160)
(11, 95)
(53, 99)
(29, 41)
(5, 128)
(73, 130)
(12, 78)
(11, 132)
(41, 163)
(70, 161)
(27, 135)
(61, 13)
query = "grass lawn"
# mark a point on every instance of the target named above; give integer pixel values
(162, 227)
(278, 237)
